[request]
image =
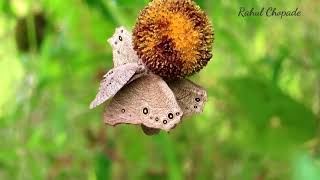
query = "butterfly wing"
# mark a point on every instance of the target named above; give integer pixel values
(122, 49)
(115, 79)
(191, 97)
(148, 101)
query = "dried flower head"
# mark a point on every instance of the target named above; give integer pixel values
(173, 38)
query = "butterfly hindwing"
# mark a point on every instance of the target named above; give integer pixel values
(148, 101)
(122, 48)
(191, 97)
(115, 79)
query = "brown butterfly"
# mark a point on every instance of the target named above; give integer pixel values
(141, 97)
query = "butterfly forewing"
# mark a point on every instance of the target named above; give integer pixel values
(148, 101)
(122, 49)
(115, 79)
(191, 97)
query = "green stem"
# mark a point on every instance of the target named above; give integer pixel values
(31, 32)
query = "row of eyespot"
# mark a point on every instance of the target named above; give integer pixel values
(170, 115)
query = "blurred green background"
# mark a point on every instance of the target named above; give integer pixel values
(261, 120)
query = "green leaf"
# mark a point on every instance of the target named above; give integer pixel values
(267, 117)
(6, 8)
(304, 167)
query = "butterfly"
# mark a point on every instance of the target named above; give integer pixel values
(137, 96)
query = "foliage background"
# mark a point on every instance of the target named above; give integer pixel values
(261, 121)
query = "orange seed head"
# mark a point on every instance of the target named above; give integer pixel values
(173, 38)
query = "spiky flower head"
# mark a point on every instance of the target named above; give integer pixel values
(173, 38)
